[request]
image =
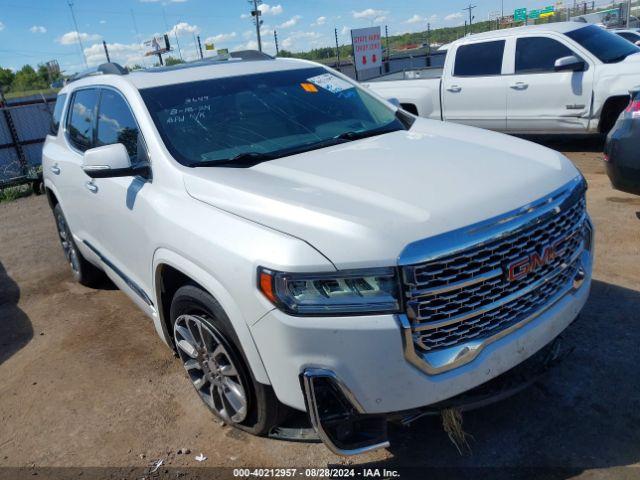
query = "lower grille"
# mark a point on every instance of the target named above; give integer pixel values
(482, 290)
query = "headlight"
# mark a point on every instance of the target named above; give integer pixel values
(350, 292)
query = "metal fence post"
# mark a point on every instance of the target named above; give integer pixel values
(14, 133)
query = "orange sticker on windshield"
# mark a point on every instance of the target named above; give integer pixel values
(309, 87)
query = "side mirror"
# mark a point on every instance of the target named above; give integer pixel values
(394, 101)
(570, 63)
(638, 43)
(109, 161)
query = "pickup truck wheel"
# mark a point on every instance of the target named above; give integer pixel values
(210, 352)
(83, 271)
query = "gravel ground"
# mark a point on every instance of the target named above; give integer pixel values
(86, 382)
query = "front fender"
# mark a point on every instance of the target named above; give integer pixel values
(164, 256)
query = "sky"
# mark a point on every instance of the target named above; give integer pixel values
(35, 31)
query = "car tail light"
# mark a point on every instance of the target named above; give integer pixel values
(634, 107)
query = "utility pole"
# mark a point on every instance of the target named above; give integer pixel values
(470, 9)
(75, 24)
(275, 39)
(106, 51)
(628, 13)
(200, 48)
(256, 13)
(337, 49)
(428, 44)
(386, 36)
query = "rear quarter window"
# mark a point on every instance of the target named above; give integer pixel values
(57, 114)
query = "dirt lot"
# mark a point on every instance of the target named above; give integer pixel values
(85, 381)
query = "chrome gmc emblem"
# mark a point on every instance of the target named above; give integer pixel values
(520, 268)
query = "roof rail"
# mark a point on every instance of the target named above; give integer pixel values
(250, 55)
(103, 69)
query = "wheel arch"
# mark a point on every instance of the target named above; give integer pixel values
(171, 271)
(52, 195)
(611, 109)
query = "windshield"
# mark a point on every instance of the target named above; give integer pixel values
(263, 116)
(607, 46)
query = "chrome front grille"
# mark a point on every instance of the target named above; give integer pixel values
(468, 295)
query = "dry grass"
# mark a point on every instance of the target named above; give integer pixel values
(12, 193)
(452, 424)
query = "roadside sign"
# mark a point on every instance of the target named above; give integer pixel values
(223, 54)
(542, 12)
(367, 48)
(157, 45)
(548, 11)
(209, 46)
(520, 15)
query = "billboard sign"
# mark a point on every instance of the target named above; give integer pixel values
(157, 45)
(367, 48)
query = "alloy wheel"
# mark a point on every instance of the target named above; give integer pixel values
(66, 241)
(211, 368)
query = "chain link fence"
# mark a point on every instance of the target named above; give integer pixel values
(24, 124)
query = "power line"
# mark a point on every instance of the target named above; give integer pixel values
(75, 23)
(175, 31)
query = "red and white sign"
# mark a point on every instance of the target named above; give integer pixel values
(367, 48)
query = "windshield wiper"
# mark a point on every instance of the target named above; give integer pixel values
(352, 135)
(250, 159)
(241, 160)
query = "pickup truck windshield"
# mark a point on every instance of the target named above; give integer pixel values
(243, 120)
(607, 46)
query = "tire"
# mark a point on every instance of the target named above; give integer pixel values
(83, 271)
(201, 328)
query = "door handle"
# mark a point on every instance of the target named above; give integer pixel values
(520, 86)
(55, 169)
(92, 187)
(454, 89)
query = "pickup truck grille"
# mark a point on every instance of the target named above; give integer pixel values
(470, 295)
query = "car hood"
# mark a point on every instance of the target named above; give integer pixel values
(360, 203)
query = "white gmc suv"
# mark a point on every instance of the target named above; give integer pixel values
(302, 244)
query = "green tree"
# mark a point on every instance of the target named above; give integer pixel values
(27, 79)
(45, 75)
(172, 61)
(6, 78)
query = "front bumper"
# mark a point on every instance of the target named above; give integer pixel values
(367, 355)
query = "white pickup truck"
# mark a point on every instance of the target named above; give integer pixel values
(556, 78)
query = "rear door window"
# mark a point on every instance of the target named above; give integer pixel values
(479, 59)
(82, 117)
(57, 114)
(539, 54)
